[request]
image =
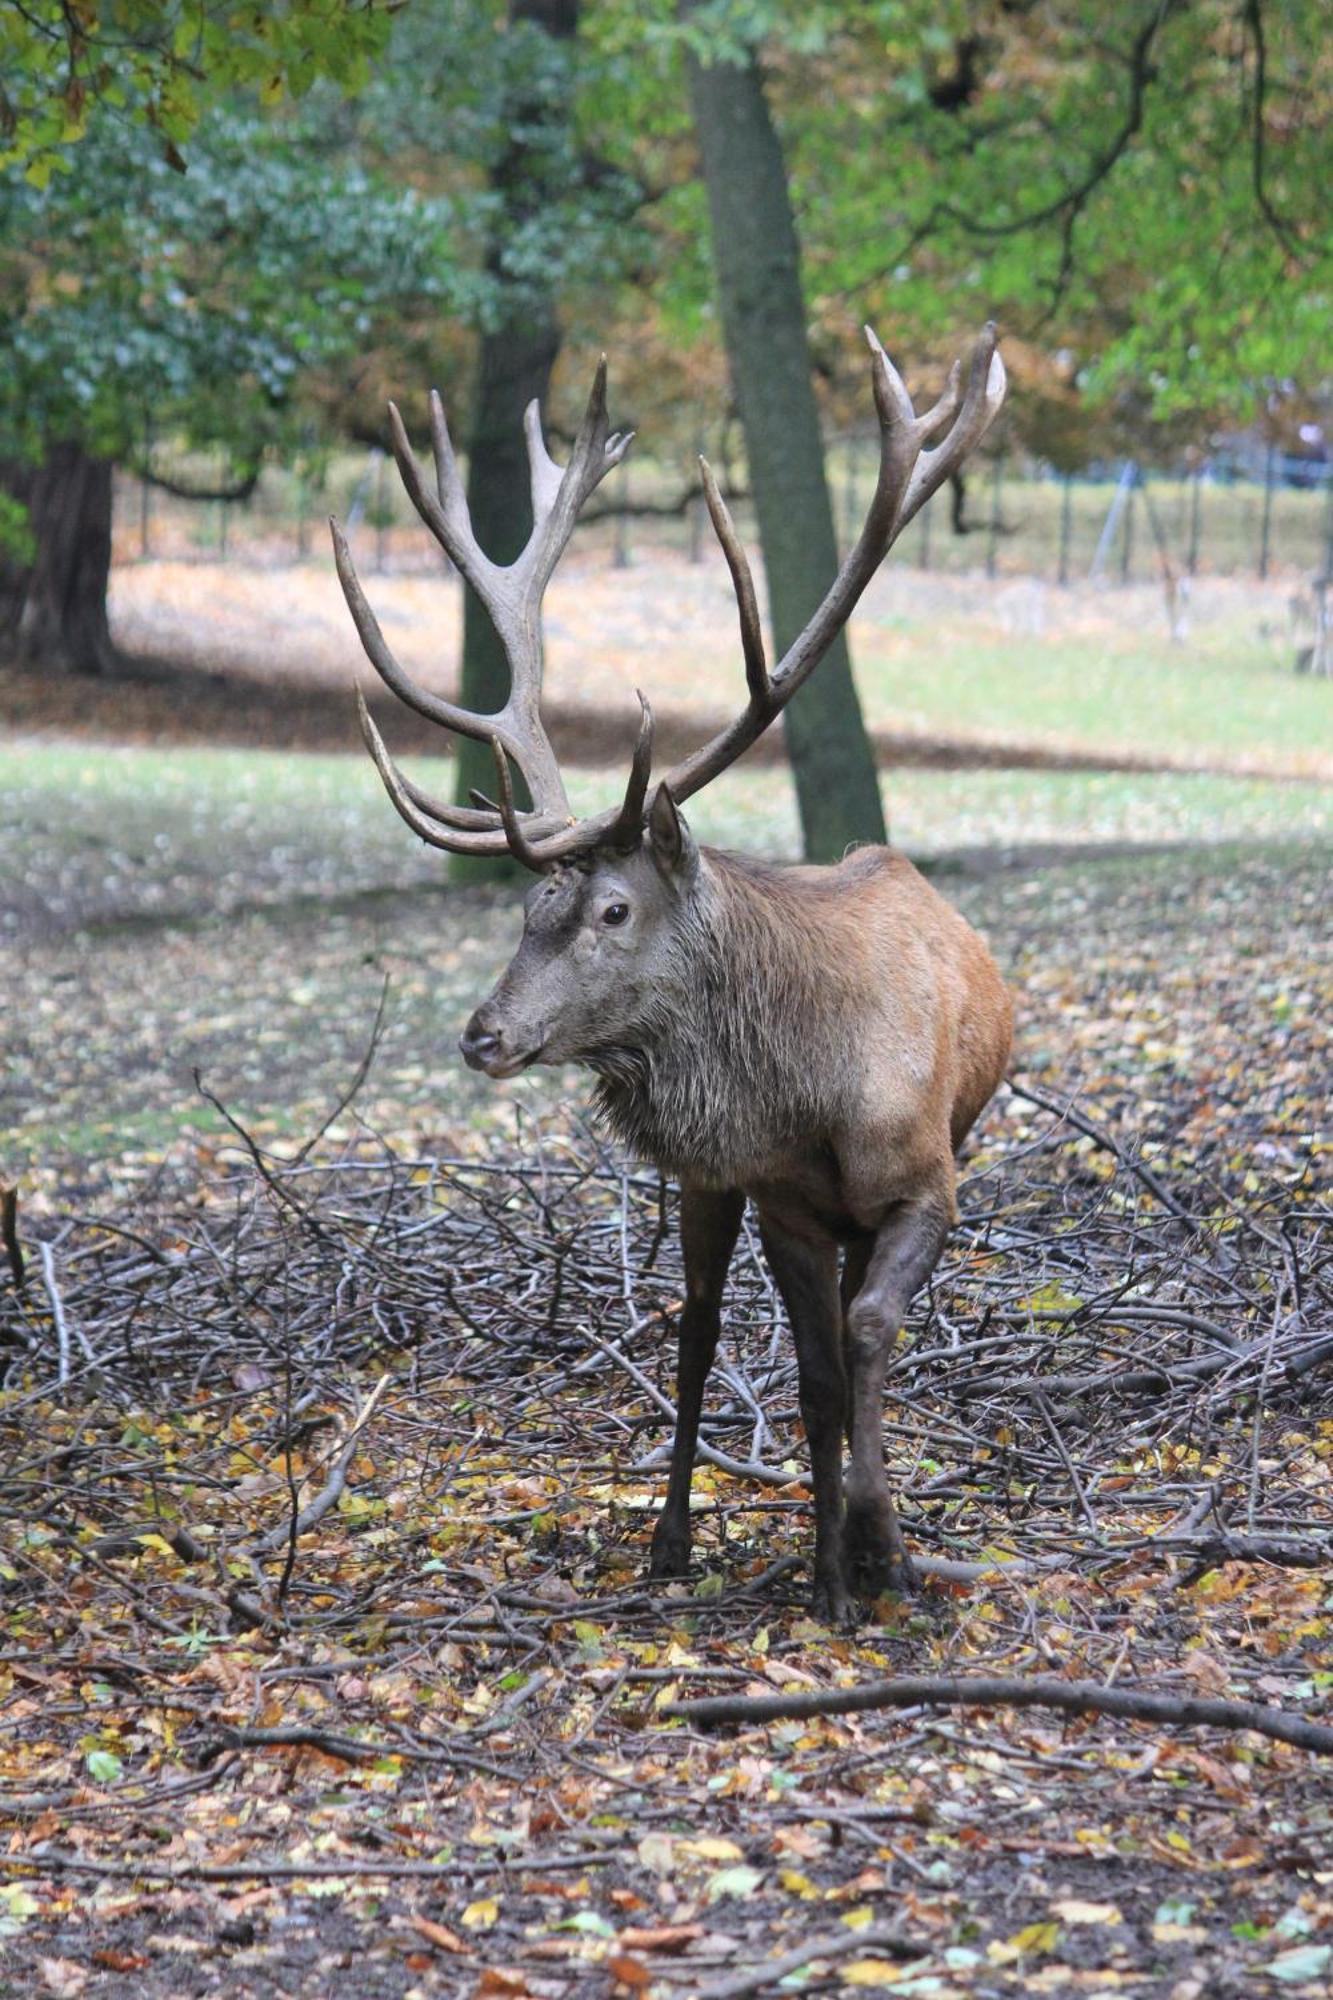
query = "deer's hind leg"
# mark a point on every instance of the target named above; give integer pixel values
(906, 1250)
(710, 1222)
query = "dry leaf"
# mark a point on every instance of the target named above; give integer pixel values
(438, 1934)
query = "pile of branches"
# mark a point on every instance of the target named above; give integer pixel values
(1092, 1342)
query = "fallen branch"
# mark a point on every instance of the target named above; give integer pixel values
(332, 1490)
(828, 1945)
(983, 1691)
(54, 1861)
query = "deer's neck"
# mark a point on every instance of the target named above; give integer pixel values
(722, 1082)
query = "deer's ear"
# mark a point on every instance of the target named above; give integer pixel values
(671, 841)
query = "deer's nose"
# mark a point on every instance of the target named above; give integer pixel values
(479, 1044)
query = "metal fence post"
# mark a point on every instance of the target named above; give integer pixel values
(1196, 491)
(696, 510)
(1066, 526)
(1266, 519)
(145, 489)
(620, 545)
(1127, 544)
(993, 531)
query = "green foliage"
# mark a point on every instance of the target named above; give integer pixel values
(1141, 190)
(16, 540)
(521, 117)
(157, 63)
(210, 300)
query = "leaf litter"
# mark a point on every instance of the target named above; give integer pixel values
(326, 1651)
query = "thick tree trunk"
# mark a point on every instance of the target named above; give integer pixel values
(757, 259)
(53, 608)
(514, 369)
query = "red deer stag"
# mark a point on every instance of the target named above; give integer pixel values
(817, 1039)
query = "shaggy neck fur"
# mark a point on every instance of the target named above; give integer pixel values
(719, 1081)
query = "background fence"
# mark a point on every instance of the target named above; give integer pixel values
(1017, 519)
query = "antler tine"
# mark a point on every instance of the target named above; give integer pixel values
(446, 517)
(517, 839)
(559, 492)
(747, 604)
(433, 706)
(627, 831)
(986, 383)
(908, 475)
(454, 840)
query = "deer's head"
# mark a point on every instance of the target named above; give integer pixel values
(600, 956)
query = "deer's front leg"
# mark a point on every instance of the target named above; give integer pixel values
(906, 1249)
(807, 1276)
(709, 1225)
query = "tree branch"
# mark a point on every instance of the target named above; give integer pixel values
(984, 1691)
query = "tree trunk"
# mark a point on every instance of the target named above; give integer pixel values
(757, 259)
(514, 368)
(53, 605)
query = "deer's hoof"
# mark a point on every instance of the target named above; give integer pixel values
(874, 1555)
(670, 1557)
(831, 1601)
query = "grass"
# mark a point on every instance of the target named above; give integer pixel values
(119, 838)
(1112, 681)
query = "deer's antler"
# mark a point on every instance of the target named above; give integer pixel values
(512, 596)
(910, 470)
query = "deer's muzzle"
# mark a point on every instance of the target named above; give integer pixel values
(490, 1049)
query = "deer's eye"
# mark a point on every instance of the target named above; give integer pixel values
(615, 913)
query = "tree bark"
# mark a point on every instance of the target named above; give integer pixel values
(514, 369)
(757, 259)
(53, 605)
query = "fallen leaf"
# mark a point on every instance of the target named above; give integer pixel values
(1307, 1961)
(439, 1934)
(1071, 1910)
(739, 1882)
(666, 1938)
(63, 1977)
(629, 1971)
(712, 1848)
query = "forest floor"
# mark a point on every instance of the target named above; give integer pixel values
(326, 1659)
(335, 1385)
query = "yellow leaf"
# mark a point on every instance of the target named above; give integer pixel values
(1033, 1938)
(712, 1848)
(871, 1972)
(1071, 1910)
(797, 1884)
(859, 1918)
(481, 1916)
